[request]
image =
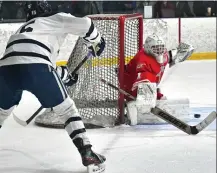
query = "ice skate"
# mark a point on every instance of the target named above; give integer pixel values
(93, 161)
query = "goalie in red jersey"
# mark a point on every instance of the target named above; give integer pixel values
(144, 72)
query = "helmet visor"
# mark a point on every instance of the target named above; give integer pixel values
(158, 49)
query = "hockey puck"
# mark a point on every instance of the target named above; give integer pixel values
(197, 115)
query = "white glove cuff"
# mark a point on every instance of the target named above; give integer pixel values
(62, 72)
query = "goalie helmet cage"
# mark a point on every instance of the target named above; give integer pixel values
(98, 104)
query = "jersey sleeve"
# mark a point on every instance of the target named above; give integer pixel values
(80, 26)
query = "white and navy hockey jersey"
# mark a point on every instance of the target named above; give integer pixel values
(39, 40)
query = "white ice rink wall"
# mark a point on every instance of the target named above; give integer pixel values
(200, 32)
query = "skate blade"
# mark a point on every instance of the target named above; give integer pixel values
(96, 168)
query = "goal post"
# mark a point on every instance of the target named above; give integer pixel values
(122, 54)
(98, 104)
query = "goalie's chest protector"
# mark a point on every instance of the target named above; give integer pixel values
(148, 68)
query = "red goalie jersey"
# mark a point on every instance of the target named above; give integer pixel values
(144, 68)
(148, 64)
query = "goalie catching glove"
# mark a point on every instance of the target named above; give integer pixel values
(67, 78)
(180, 54)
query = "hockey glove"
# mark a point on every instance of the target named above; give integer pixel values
(97, 48)
(67, 78)
(71, 80)
(183, 52)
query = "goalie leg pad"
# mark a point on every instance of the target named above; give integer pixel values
(73, 122)
(145, 100)
(146, 96)
(132, 112)
(179, 108)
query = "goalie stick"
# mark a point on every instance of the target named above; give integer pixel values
(191, 130)
(26, 122)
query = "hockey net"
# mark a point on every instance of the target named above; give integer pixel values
(98, 104)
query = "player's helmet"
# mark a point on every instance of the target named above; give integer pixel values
(36, 9)
(155, 46)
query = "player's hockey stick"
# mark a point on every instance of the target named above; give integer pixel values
(191, 130)
(26, 122)
(81, 63)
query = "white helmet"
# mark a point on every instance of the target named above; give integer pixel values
(155, 46)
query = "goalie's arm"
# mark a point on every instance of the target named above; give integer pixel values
(180, 54)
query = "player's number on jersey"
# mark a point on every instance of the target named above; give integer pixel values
(25, 28)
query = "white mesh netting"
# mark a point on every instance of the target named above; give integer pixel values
(97, 102)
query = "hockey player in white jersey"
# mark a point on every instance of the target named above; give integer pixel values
(29, 62)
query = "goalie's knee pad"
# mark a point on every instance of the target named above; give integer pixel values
(4, 114)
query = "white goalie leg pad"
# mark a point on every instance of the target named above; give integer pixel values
(73, 122)
(179, 108)
(132, 112)
(4, 114)
(146, 96)
(146, 99)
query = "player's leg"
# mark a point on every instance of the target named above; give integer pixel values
(10, 95)
(45, 84)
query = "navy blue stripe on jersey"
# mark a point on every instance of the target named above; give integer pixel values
(90, 31)
(29, 41)
(76, 132)
(25, 54)
(71, 119)
(61, 85)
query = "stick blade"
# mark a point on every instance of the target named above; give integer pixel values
(26, 122)
(203, 124)
(19, 121)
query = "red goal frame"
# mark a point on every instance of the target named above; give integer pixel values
(122, 18)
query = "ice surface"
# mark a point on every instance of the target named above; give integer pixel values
(138, 149)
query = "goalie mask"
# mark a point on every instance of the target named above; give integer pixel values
(155, 46)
